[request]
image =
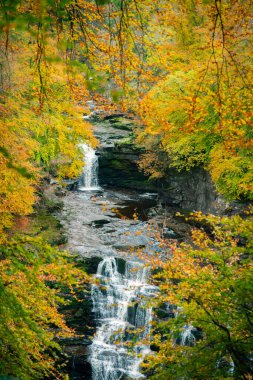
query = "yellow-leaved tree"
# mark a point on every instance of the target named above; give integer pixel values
(200, 113)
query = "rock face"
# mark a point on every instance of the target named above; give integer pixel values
(118, 155)
(118, 166)
(192, 191)
(79, 315)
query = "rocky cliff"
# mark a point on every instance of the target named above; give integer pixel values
(118, 158)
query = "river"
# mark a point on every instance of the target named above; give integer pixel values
(111, 224)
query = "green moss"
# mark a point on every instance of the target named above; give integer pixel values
(48, 227)
(45, 224)
(125, 141)
(119, 165)
(122, 124)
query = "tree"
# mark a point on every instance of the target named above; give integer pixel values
(210, 283)
(41, 126)
(185, 68)
(43, 93)
(33, 275)
(200, 109)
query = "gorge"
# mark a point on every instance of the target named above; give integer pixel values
(126, 188)
(107, 227)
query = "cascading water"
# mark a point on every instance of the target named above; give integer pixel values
(120, 308)
(187, 337)
(89, 178)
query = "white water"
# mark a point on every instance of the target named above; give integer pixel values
(89, 178)
(187, 337)
(120, 309)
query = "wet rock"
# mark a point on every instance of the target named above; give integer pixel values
(113, 116)
(72, 184)
(79, 313)
(166, 311)
(165, 314)
(121, 265)
(108, 353)
(190, 190)
(99, 223)
(78, 367)
(131, 312)
(76, 350)
(89, 264)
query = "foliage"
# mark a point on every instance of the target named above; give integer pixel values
(201, 107)
(185, 67)
(17, 188)
(32, 276)
(190, 85)
(42, 101)
(211, 284)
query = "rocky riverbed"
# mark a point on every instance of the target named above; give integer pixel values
(113, 222)
(110, 223)
(99, 225)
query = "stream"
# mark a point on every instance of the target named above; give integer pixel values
(111, 225)
(108, 225)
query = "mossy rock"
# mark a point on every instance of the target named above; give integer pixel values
(48, 227)
(89, 264)
(129, 140)
(122, 123)
(119, 165)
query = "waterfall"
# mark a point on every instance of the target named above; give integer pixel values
(89, 178)
(120, 308)
(187, 337)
